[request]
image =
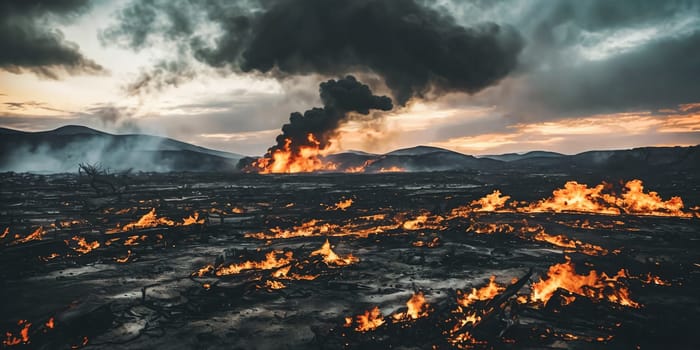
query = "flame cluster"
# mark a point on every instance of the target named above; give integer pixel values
(289, 159)
(593, 285)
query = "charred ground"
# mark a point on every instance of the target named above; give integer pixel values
(217, 278)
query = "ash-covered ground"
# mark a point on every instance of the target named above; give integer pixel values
(197, 261)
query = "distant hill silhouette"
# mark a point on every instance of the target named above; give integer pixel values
(62, 149)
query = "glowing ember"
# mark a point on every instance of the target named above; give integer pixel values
(361, 168)
(417, 307)
(652, 279)
(484, 293)
(84, 246)
(423, 222)
(368, 321)
(21, 338)
(272, 261)
(392, 169)
(306, 229)
(204, 271)
(274, 284)
(37, 235)
(564, 242)
(489, 228)
(50, 324)
(331, 258)
(124, 259)
(342, 205)
(5, 233)
(593, 285)
(430, 244)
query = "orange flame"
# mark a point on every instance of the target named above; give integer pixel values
(484, 293)
(284, 160)
(271, 262)
(192, 220)
(575, 197)
(23, 337)
(341, 205)
(423, 222)
(392, 169)
(565, 242)
(490, 202)
(593, 285)
(274, 284)
(417, 308)
(368, 321)
(489, 228)
(37, 235)
(124, 259)
(84, 246)
(331, 258)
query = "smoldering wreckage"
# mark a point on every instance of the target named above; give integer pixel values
(394, 260)
(499, 258)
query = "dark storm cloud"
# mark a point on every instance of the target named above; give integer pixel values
(28, 42)
(417, 51)
(662, 73)
(597, 56)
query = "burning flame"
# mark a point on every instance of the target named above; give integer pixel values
(392, 169)
(635, 201)
(575, 197)
(342, 205)
(417, 307)
(151, 219)
(148, 220)
(124, 259)
(284, 160)
(490, 202)
(22, 337)
(331, 258)
(368, 321)
(192, 220)
(595, 286)
(484, 293)
(423, 222)
(84, 246)
(274, 284)
(271, 262)
(50, 324)
(489, 228)
(564, 242)
(306, 229)
(37, 235)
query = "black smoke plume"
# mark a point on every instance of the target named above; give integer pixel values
(342, 99)
(417, 50)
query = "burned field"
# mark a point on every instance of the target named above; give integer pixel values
(329, 261)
